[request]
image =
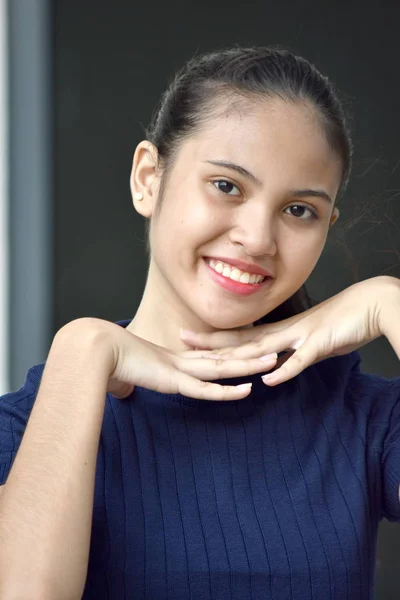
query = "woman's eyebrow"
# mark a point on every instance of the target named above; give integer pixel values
(242, 171)
(311, 193)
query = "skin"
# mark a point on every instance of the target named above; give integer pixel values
(283, 146)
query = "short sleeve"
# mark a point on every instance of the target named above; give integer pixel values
(390, 457)
(377, 402)
(15, 408)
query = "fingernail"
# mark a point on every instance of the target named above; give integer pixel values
(268, 378)
(244, 386)
(269, 356)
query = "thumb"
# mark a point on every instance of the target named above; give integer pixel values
(217, 339)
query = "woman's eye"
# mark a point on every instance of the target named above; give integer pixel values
(312, 214)
(226, 187)
(230, 189)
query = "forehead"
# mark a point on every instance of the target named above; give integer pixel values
(279, 142)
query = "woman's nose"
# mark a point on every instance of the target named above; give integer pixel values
(255, 231)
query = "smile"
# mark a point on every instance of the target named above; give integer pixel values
(234, 273)
(234, 280)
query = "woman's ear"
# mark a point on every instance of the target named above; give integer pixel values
(334, 217)
(144, 180)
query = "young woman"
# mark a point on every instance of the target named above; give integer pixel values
(151, 458)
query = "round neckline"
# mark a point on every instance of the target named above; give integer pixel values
(181, 399)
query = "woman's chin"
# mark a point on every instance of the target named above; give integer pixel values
(220, 322)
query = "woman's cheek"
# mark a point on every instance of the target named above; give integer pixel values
(220, 209)
(208, 213)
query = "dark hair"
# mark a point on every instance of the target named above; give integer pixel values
(238, 74)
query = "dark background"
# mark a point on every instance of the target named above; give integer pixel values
(111, 62)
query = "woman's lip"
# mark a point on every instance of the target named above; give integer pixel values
(240, 264)
(242, 289)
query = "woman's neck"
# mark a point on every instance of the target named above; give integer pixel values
(161, 315)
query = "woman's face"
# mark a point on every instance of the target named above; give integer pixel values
(257, 209)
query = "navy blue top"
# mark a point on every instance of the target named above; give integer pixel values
(276, 496)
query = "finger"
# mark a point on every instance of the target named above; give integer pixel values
(295, 364)
(274, 343)
(217, 368)
(235, 337)
(206, 353)
(219, 339)
(204, 390)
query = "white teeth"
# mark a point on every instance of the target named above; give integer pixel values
(234, 273)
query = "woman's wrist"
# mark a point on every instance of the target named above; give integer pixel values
(86, 339)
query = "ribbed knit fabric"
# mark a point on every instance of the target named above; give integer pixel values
(277, 496)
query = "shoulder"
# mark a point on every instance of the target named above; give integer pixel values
(341, 380)
(375, 393)
(15, 409)
(26, 394)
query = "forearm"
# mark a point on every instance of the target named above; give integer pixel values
(47, 503)
(390, 315)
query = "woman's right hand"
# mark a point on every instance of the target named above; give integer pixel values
(138, 362)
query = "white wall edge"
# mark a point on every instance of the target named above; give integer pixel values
(30, 179)
(4, 205)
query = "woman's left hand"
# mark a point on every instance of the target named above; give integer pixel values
(337, 326)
